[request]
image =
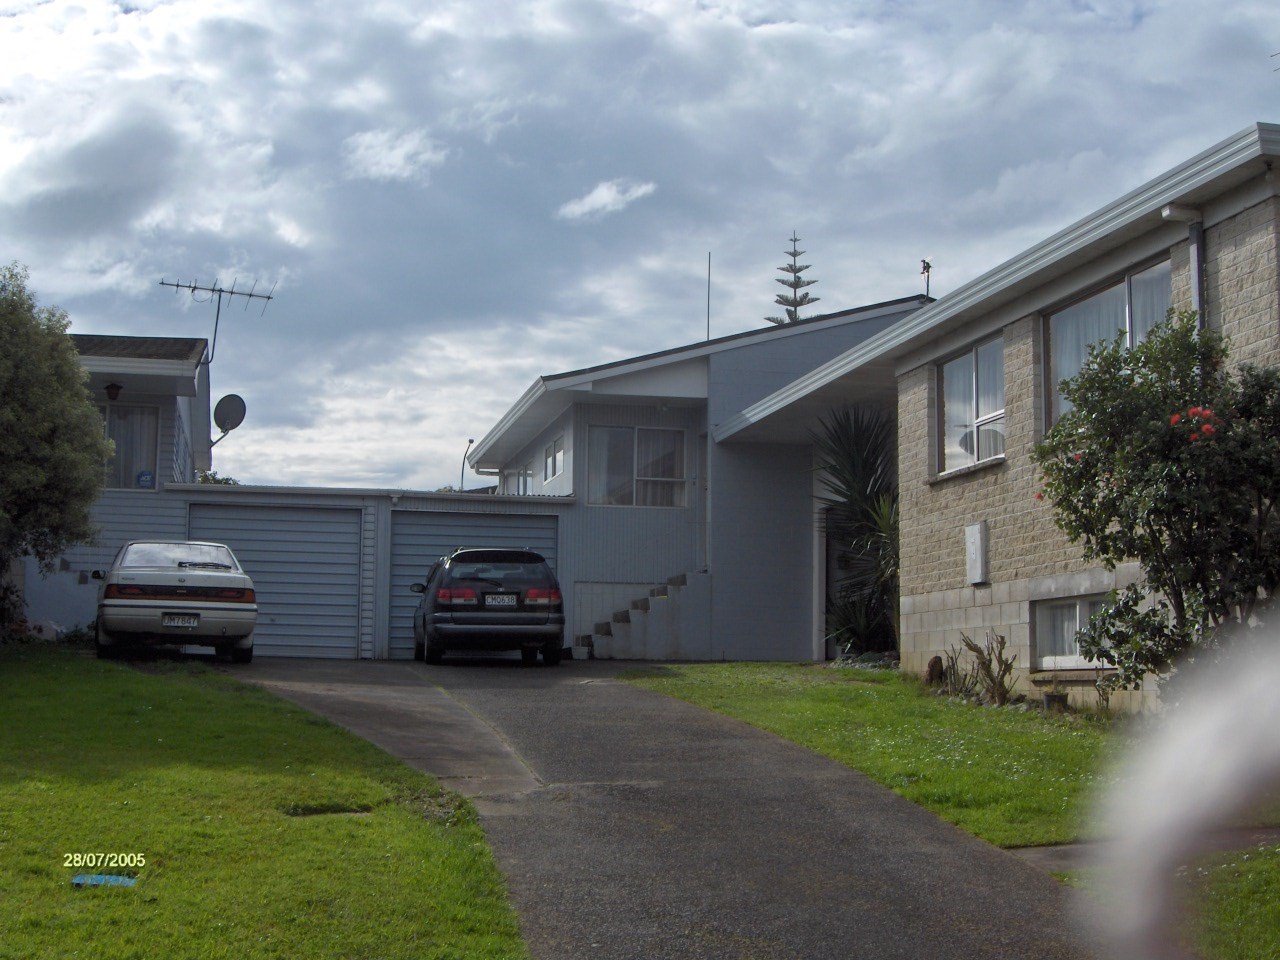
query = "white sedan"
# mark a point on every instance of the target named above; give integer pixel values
(176, 592)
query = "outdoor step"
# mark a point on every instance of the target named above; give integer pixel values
(641, 604)
(622, 616)
(603, 629)
(660, 592)
(679, 580)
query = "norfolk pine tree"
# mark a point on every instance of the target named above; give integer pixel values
(797, 299)
(52, 445)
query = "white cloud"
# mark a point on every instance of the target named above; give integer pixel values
(388, 155)
(607, 197)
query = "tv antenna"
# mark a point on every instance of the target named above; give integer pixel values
(218, 291)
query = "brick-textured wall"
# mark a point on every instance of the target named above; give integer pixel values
(1025, 548)
(1242, 277)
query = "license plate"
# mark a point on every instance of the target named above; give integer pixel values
(181, 620)
(500, 599)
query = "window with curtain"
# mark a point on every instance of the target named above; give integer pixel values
(135, 432)
(635, 466)
(973, 406)
(1057, 623)
(1131, 307)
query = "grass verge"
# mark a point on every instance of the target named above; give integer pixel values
(1013, 779)
(266, 832)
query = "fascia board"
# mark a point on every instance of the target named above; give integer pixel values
(535, 392)
(179, 371)
(1252, 143)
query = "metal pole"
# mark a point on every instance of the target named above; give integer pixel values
(462, 471)
(708, 294)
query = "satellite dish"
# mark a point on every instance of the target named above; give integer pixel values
(229, 413)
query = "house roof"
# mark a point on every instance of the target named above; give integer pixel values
(871, 364)
(548, 396)
(140, 348)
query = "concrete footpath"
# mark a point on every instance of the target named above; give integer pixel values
(632, 825)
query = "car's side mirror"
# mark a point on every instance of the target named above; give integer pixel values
(418, 587)
(99, 574)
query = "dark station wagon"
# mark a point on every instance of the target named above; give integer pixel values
(489, 599)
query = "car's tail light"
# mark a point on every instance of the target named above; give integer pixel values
(133, 591)
(123, 591)
(456, 596)
(542, 597)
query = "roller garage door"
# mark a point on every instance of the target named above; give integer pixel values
(420, 538)
(305, 564)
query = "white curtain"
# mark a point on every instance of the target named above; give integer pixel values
(1152, 293)
(958, 413)
(1073, 330)
(610, 465)
(133, 430)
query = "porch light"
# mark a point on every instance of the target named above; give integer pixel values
(113, 391)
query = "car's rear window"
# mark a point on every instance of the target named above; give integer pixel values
(499, 571)
(177, 555)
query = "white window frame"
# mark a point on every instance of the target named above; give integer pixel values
(553, 459)
(1052, 378)
(1084, 608)
(105, 410)
(524, 480)
(679, 483)
(987, 420)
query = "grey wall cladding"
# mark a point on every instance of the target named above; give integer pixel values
(418, 538)
(305, 564)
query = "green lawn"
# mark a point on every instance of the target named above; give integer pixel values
(266, 831)
(1013, 779)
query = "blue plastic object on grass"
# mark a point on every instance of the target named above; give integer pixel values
(102, 880)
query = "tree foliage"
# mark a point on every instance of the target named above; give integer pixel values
(1171, 460)
(52, 445)
(799, 297)
(211, 476)
(856, 449)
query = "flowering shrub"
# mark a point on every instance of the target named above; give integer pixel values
(1170, 460)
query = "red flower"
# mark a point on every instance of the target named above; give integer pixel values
(1208, 430)
(1039, 495)
(1076, 457)
(1175, 419)
(1206, 412)
(1194, 436)
(1194, 412)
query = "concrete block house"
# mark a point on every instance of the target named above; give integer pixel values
(975, 377)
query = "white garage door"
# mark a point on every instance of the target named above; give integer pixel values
(418, 539)
(305, 564)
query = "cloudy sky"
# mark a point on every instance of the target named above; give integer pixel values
(451, 197)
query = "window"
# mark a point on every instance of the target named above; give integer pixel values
(635, 466)
(1131, 306)
(553, 459)
(1057, 623)
(973, 406)
(524, 480)
(134, 431)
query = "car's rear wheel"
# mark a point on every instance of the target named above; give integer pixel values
(419, 650)
(242, 654)
(551, 653)
(529, 655)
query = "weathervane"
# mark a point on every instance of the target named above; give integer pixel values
(217, 290)
(925, 269)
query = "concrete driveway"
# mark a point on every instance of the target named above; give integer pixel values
(632, 825)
